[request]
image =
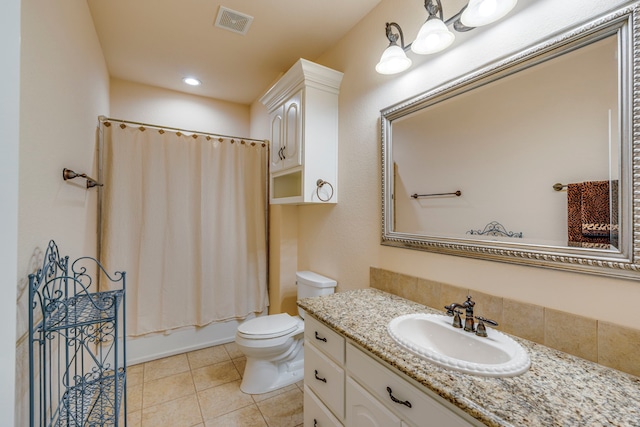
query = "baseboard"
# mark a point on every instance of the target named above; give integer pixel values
(152, 347)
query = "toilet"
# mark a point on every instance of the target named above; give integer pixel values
(273, 344)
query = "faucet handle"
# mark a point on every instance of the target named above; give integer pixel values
(481, 330)
(457, 322)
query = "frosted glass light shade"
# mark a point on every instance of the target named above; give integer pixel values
(393, 60)
(483, 12)
(433, 37)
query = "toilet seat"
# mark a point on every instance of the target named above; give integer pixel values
(272, 326)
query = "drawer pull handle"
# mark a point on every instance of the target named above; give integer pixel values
(315, 423)
(319, 338)
(396, 400)
(324, 380)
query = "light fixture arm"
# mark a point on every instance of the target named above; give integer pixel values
(457, 24)
(393, 38)
(434, 8)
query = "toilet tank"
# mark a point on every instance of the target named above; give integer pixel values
(312, 284)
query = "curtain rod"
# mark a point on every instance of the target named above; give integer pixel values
(110, 119)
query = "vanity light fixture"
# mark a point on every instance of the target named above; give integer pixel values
(393, 59)
(434, 36)
(191, 81)
(484, 12)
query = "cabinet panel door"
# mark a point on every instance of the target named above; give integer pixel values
(292, 142)
(363, 410)
(315, 413)
(325, 378)
(277, 156)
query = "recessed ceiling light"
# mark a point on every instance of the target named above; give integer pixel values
(191, 81)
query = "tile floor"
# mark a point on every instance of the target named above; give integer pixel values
(202, 389)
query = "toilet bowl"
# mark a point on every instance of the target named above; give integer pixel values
(273, 344)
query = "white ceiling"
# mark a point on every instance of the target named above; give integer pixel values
(158, 42)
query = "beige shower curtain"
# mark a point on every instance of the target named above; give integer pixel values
(185, 216)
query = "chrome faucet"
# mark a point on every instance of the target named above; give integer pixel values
(469, 323)
(468, 319)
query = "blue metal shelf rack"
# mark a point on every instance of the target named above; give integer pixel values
(77, 362)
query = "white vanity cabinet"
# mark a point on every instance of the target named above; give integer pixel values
(303, 116)
(347, 386)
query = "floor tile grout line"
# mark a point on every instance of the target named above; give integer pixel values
(218, 384)
(146, 373)
(232, 411)
(262, 415)
(204, 422)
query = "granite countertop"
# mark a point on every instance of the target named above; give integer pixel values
(558, 390)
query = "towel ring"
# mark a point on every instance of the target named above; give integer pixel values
(319, 184)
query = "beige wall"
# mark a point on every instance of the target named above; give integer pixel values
(64, 88)
(9, 135)
(148, 104)
(343, 241)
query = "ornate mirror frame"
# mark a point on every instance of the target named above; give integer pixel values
(624, 263)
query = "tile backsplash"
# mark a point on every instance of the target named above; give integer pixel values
(605, 343)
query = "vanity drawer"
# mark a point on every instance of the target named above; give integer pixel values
(425, 411)
(325, 378)
(324, 338)
(315, 413)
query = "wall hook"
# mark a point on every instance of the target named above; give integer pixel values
(69, 174)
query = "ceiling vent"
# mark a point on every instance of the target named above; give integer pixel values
(233, 21)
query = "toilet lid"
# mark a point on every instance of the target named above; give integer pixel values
(271, 326)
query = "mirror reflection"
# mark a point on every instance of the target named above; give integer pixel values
(504, 145)
(528, 160)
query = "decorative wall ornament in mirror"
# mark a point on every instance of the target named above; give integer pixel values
(541, 144)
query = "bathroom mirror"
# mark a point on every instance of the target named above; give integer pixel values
(528, 160)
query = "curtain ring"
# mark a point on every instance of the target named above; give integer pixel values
(319, 184)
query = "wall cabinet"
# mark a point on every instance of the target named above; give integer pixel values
(286, 134)
(303, 117)
(347, 386)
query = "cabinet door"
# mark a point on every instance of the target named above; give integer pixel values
(292, 137)
(363, 410)
(325, 378)
(315, 413)
(277, 143)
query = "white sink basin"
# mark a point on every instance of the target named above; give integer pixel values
(432, 337)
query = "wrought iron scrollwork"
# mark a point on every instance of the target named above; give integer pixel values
(494, 228)
(77, 349)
